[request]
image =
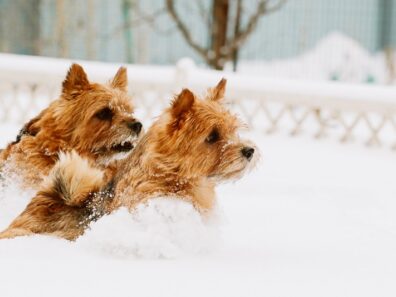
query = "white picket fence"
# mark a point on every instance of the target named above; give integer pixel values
(361, 112)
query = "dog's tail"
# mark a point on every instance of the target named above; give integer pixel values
(73, 179)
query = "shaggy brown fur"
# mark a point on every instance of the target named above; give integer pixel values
(69, 199)
(95, 120)
(193, 146)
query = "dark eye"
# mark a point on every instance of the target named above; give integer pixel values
(213, 136)
(104, 114)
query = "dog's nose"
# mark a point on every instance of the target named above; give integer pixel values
(248, 152)
(135, 127)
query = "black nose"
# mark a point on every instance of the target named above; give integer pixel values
(135, 127)
(247, 152)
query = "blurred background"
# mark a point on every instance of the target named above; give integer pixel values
(350, 40)
(326, 67)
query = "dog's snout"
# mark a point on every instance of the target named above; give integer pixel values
(135, 127)
(248, 152)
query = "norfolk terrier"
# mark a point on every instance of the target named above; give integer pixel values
(95, 120)
(190, 148)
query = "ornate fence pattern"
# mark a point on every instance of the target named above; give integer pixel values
(348, 112)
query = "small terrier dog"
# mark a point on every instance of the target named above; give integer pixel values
(193, 146)
(93, 119)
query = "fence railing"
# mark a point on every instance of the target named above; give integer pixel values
(362, 112)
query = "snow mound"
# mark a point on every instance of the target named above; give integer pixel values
(161, 228)
(339, 57)
(336, 57)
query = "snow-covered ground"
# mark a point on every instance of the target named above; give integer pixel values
(314, 219)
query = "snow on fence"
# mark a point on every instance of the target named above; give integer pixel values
(364, 112)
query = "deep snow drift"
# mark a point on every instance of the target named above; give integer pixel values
(315, 219)
(163, 228)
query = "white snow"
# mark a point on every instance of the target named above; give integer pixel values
(163, 228)
(315, 219)
(336, 57)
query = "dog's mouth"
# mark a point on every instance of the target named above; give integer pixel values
(122, 147)
(235, 169)
(228, 175)
(118, 150)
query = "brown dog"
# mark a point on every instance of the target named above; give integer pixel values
(93, 119)
(192, 146)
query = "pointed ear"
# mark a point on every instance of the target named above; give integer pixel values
(75, 82)
(30, 128)
(120, 80)
(182, 104)
(217, 93)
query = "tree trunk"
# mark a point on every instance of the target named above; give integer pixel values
(220, 11)
(126, 14)
(236, 33)
(62, 41)
(90, 30)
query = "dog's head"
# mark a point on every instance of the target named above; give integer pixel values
(199, 138)
(94, 119)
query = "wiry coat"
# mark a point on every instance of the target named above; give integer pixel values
(73, 122)
(185, 153)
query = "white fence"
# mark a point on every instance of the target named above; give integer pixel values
(361, 112)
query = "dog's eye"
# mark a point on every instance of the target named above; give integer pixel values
(213, 136)
(104, 114)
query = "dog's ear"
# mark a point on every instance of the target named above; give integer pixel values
(217, 93)
(31, 128)
(182, 104)
(120, 80)
(75, 82)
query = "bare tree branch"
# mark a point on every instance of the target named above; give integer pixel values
(185, 32)
(243, 34)
(222, 47)
(276, 7)
(203, 13)
(143, 19)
